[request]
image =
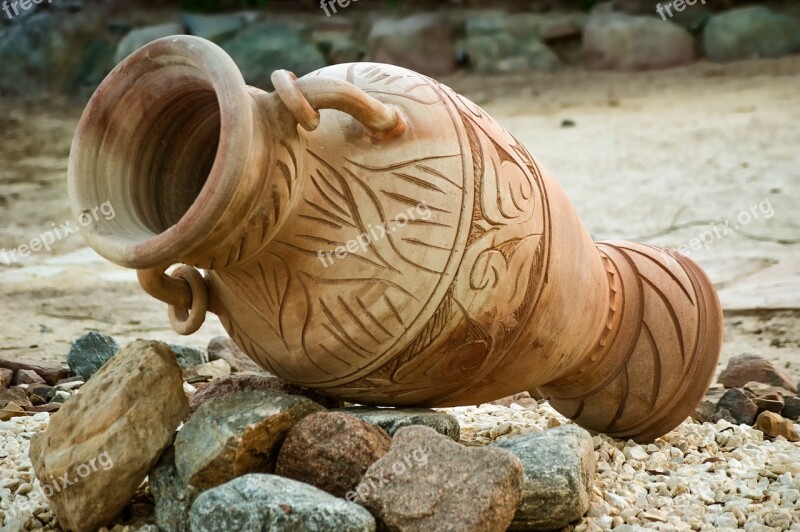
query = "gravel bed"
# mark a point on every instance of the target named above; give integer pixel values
(699, 477)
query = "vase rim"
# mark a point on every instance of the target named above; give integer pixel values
(213, 67)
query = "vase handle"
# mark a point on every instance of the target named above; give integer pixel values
(305, 97)
(184, 290)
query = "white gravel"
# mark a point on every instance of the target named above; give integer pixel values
(698, 477)
(22, 502)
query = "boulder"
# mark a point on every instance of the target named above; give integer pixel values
(616, 41)
(774, 425)
(740, 408)
(559, 466)
(393, 419)
(213, 27)
(235, 435)
(421, 42)
(138, 37)
(428, 482)
(544, 26)
(269, 502)
(261, 49)
(233, 384)
(751, 32)
(89, 353)
(50, 372)
(105, 440)
(503, 53)
(332, 451)
(745, 368)
(222, 347)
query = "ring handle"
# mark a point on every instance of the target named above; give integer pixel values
(184, 290)
(306, 96)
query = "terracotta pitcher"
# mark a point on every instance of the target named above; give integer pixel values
(367, 232)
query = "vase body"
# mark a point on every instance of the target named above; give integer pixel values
(440, 265)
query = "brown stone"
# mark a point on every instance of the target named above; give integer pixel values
(223, 347)
(233, 384)
(27, 376)
(332, 451)
(209, 370)
(11, 410)
(6, 376)
(745, 368)
(772, 402)
(14, 394)
(519, 398)
(774, 425)
(429, 482)
(122, 420)
(50, 408)
(50, 372)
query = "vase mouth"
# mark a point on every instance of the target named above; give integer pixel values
(162, 144)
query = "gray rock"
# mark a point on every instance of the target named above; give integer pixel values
(60, 397)
(188, 356)
(616, 41)
(751, 32)
(393, 419)
(253, 503)
(428, 482)
(95, 63)
(559, 467)
(544, 26)
(212, 27)
(791, 408)
(90, 352)
(33, 52)
(421, 42)
(236, 435)
(137, 38)
(738, 406)
(173, 496)
(504, 53)
(261, 49)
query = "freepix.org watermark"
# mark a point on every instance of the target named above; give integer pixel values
(329, 6)
(57, 232)
(679, 5)
(375, 233)
(726, 228)
(56, 485)
(368, 483)
(15, 7)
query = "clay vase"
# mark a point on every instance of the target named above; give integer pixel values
(369, 233)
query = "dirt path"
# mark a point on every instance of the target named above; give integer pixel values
(657, 156)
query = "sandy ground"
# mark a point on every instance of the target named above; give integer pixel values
(660, 157)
